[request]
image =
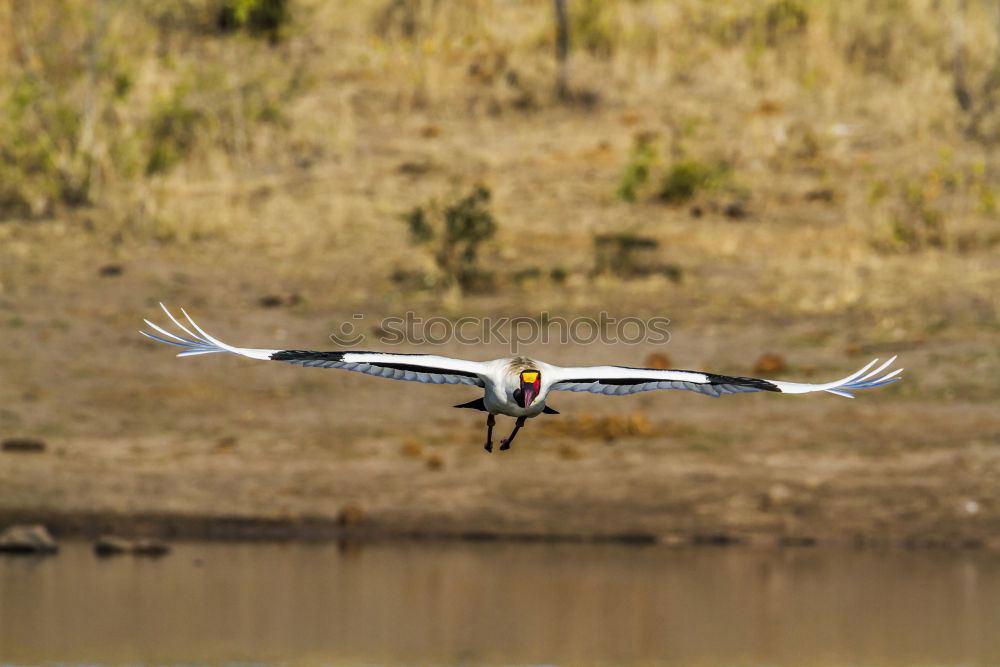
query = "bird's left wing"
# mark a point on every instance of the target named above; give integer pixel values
(619, 380)
(427, 368)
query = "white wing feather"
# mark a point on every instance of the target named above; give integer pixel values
(426, 368)
(844, 386)
(608, 380)
(618, 380)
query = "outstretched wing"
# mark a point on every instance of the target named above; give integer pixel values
(619, 380)
(427, 368)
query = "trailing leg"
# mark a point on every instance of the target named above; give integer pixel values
(505, 443)
(490, 422)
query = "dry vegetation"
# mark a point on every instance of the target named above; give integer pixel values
(815, 177)
(806, 146)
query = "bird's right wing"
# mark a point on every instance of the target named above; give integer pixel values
(426, 368)
(620, 380)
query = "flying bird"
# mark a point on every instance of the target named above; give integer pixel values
(514, 386)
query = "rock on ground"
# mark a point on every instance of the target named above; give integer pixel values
(27, 539)
(110, 545)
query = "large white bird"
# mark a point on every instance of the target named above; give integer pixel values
(515, 386)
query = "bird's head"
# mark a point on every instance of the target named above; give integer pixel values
(531, 385)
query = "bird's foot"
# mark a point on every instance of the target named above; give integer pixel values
(504, 445)
(489, 447)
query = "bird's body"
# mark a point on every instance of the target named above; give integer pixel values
(505, 380)
(517, 386)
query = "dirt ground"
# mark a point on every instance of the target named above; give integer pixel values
(867, 227)
(137, 440)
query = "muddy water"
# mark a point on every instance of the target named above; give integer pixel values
(502, 603)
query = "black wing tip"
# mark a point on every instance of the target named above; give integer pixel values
(756, 383)
(306, 355)
(295, 356)
(312, 355)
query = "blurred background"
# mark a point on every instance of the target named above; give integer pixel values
(800, 186)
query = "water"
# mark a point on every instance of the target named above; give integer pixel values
(502, 603)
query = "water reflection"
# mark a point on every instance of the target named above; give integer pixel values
(503, 603)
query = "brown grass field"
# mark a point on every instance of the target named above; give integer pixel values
(853, 213)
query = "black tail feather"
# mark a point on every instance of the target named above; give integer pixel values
(478, 404)
(473, 405)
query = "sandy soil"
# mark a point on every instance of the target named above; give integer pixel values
(138, 441)
(840, 140)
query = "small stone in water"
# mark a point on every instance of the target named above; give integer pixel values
(27, 539)
(110, 545)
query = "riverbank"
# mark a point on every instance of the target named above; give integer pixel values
(774, 197)
(327, 530)
(742, 470)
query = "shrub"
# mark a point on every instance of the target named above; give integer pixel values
(941, 208)
(172, 133)
(619, 254)
(593, 27)
(42, 156)
(784, 18)
(638, 168)
(917, 223)
(630, 256)
(558, 275)
(456, 234)
(264, 18)
(686, 177)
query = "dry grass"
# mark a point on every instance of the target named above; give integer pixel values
(863, 189)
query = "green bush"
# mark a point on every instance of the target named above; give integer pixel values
(950, 207)
(621, 254)
(637, 170)
(784, 18)
(173, 132)
(263, 18)
(916, 223)
(456, 233)
(40, 157)
(686, 177)
(630, 256)
(592, 27)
